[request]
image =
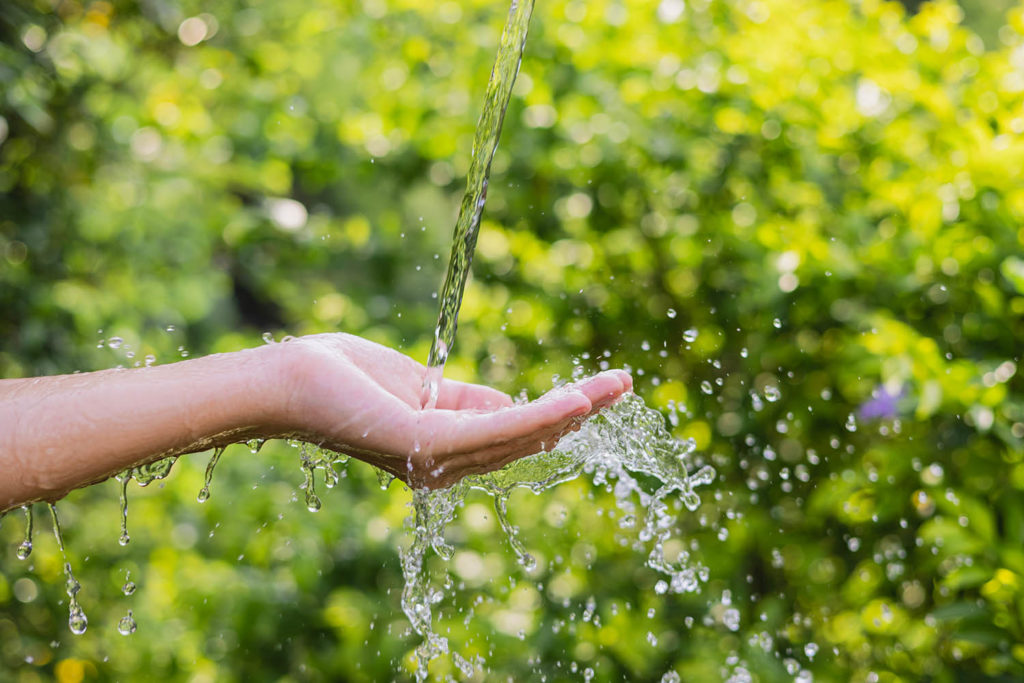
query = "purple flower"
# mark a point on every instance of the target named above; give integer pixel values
(882, 403)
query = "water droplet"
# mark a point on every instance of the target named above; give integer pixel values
(671, 313)
(115, 342)
(77, 621)
(755, 402)
(690, 335)
(851, 423)
(268, 337)
(706, 387)
(777, 324)
(127, 625)
(811, 649)
(771, 393)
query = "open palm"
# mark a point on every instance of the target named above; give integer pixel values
(363, 399)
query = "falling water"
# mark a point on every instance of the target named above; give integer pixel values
(127, 625)
(204, 493)
(123, 478)
(619, 448)
(144, 475)
(488, 129)
(77, 620)
(313, 458)
(25, 549)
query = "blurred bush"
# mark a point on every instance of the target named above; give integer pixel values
(825, 193)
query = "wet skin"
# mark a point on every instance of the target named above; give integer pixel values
(336, 390)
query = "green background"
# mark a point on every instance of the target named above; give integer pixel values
(829, 192)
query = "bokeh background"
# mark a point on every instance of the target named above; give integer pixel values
(828, 192)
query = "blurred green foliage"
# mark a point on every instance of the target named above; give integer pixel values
(827, 192)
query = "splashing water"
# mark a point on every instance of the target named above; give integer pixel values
(616, 447)
(467, 227)
(77, 620)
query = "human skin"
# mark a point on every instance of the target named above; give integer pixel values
(334, 390)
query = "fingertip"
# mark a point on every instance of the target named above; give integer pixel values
(626, 379)
(602, 385)
(567, 401)
(581, 404)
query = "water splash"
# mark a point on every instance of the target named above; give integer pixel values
(625, 448)
(25, 549)
(467, 227)
(77, 620)
(204, 493)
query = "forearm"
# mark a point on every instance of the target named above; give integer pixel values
(59, 433)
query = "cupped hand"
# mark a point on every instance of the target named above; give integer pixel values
(363, 399)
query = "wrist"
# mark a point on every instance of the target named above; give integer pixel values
(275, 377)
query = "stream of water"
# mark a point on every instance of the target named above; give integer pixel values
(467, 227)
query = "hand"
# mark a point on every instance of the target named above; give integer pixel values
(359, 398)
